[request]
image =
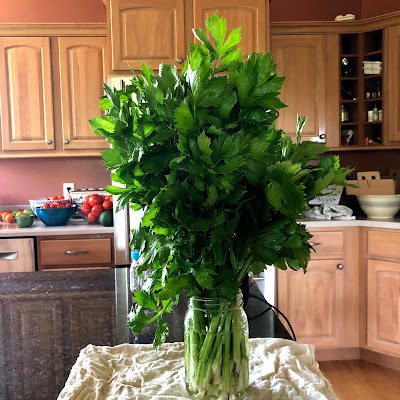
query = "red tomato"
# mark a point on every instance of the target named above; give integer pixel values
(46, 205)
(95, 199)
(53, 205)
(97, 210)
(58, 203)
(68, 205)
(85, 209)
(87, 198)
(107, 205)
(48, 198)
(92, 218)
(109, 198)
(61, 197)
(54, 198)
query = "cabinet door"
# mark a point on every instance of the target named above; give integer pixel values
(391, 86)
(313, 302)
(251, 15)
(82, 73)
(152, 32)
(302, 60)
(383, 315)
(26, 94)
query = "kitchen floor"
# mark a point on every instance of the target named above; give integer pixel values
(361, 380)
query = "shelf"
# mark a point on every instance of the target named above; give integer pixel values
(372, 76)
(349, 55)
(373, 123)
(349, 78)
(371, 100)
(349, 123)
(349, 101)
(373, 53)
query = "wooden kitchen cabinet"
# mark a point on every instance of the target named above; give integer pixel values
(26, 94)
(311, 87)
(391, 66)
(82, 71)
(152, 32)
(322, 305)
(171, 22)
(383, 307)
(252, 16)
(81, 252)
(17, 255)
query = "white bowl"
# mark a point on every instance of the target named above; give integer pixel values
(380, 206)
(37, 203)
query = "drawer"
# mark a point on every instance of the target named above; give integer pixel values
(17, 255)
(83, 252)
(384, 244)
(328, 245)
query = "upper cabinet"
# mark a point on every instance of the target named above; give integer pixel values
(392, 71)
(26, 94)
(82, 71)
(251, 15)
(168, 24)
(49, 89)
(310, 89)
(152, 32)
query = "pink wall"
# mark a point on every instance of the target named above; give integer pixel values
(26, 179)
(372, 8)
(52, 11)
(313, 10)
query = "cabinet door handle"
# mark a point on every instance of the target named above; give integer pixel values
(313, 244)
(49, 141)
(179, 60)
(9, 255)
(66, 141)
(74, 252)
(322, 136)
(340, 266)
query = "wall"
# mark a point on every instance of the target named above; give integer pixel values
(372, 8)
(26, 179)
(52, 11)
(313, 10)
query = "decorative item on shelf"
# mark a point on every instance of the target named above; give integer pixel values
(375, 114)
(344, 115)
(380, 115)
(347, 95)
(347, 69)
(378, 87)
(346, 137)
(372, 67)
(221, 189)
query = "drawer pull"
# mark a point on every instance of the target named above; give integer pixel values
(11, 255)
(313, 244)
(74, 252)
(340, 266)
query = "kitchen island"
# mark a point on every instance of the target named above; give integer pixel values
(47, 318)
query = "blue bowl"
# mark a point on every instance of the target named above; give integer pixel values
(54, 216)
(35, 204)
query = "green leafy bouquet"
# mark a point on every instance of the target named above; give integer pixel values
(221, 188)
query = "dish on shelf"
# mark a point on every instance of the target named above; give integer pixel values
(380, 206)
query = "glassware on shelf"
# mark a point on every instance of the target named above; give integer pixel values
(344, 115)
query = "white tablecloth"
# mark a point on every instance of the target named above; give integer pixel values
(279, 369)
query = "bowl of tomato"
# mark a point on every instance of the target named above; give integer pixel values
(54, 216)
(94, 205)
(57, 200)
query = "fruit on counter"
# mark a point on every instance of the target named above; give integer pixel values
(4, 213)
(24, 220)
(9, 218)
(15, 212)
(94, 199)
(55, 198)
(56, 204)
(29, 212)
(106, 218)
(94, 206)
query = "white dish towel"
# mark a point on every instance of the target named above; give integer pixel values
(279, 369)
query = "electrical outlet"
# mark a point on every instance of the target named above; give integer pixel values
(71, 187)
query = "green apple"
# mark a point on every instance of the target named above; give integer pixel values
(29, 211)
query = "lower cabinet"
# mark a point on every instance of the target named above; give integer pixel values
(313, 302)
(383, 306)
(322, 305)
(43, 330)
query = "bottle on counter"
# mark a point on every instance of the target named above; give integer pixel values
(136, 282)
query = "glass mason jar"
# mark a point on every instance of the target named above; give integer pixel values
(216, 349)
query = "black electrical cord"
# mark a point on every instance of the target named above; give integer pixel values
(276, 309)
